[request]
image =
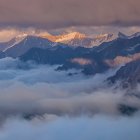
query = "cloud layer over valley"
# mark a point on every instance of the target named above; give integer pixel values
(36, 100)
(27, 89)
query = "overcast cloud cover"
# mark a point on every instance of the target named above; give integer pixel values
(60, 13)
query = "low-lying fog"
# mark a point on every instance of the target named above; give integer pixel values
(38, 102)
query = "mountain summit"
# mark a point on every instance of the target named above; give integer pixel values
(79, 39)
(123, 36)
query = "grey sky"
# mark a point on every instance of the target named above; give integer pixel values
(62, 13)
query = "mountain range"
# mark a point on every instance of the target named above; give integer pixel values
(76, 50)
(79, 39)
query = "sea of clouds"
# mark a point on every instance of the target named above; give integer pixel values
(38, 102)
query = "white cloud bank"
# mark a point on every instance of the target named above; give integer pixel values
(41, 90)
(62, 106)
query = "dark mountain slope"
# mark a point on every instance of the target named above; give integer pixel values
(129, 75)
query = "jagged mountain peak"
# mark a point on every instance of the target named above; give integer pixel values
(136, 34)
(123, 36)
(80, 39)
(103, 35)
(69, 36)
(20, 37)
(76, 34)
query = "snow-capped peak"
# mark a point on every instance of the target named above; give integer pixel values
(17, 40)
(79, 39)
(123, 36)
(103, 37)
(136, 34)
(20, 37)
(70, 36)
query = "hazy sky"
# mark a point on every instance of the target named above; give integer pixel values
(61, 13)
